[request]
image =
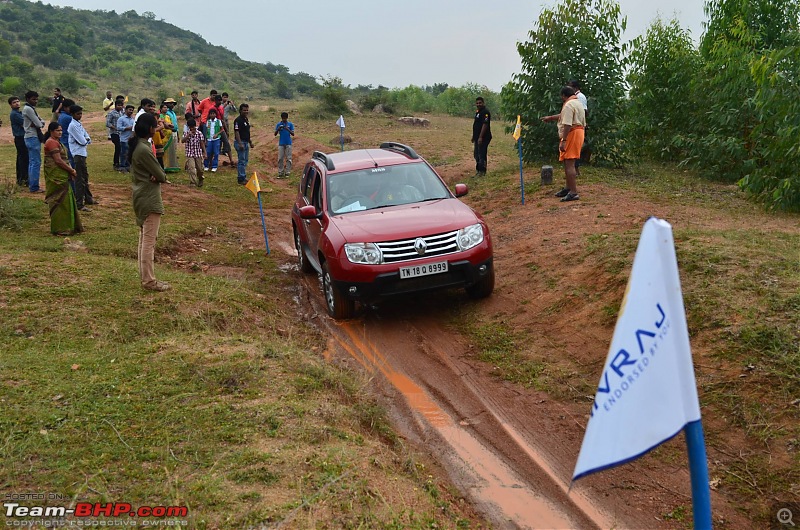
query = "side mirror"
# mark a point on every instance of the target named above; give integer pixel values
(461, 190)
(308, 212)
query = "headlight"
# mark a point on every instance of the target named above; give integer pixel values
(368, 253)
(469, 237)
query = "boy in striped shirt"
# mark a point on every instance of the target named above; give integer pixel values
(195, 152)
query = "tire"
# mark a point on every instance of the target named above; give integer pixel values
(483, 287)
(339, 307)
(302, 261)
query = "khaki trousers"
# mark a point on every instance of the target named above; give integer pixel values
(194, 166)
(148, 234)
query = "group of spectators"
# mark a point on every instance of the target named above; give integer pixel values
(30, 132)
(145, 146)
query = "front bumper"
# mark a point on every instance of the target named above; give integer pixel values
(459, 274)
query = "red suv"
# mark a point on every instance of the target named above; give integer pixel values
(380, 222)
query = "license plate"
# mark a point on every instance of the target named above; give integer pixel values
(423, 270)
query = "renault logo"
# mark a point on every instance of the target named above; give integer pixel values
(420, 246)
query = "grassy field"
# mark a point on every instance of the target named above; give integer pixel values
(214, 396)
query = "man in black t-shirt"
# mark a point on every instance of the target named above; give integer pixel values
(242, 142)
(58, 101)
(481, 136)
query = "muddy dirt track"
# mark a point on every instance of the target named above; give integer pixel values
(503, 448)
(481, 433)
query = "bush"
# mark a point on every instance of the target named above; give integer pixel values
(333, 96)
(68, 82)
(411, 99)
(9, 210)
(11, 85)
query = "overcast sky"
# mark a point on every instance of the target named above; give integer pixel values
(395, 44)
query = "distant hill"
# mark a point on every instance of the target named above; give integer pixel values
(83, 52)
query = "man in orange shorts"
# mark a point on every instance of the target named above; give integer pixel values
(571, 124)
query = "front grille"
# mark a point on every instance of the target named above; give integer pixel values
(404, 250)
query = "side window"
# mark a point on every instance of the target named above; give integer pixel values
(316, 197)
(308, 183)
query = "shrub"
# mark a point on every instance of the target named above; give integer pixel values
(333, 95)
(9, 211)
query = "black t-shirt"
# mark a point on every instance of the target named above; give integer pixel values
(481, 117)
(242, 125)
(57, 101)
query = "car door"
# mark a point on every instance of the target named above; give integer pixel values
(312, 194)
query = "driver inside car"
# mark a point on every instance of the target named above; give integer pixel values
(397, 191)
(342, 193)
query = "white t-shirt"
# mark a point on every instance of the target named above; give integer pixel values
(582, 99)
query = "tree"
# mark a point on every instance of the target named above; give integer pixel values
(575, 40)
(333, 95)
(746, 130)
(775, 179)
(68, 82)
(663, 64)
(282, 89)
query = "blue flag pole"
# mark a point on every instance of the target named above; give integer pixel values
(698, 470)
(263, 222)
(521, 180)
(341, 137)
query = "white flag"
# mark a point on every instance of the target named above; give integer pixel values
(340, 121)
(647, 392)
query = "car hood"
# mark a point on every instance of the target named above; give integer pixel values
(405, 221)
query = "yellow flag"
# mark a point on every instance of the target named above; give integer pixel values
(182, 94)
(253, 185)
(126, 99)
(518, 129)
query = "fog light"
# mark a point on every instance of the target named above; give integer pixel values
(353, 289)
(482, 269)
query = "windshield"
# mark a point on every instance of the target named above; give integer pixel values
(379, 187)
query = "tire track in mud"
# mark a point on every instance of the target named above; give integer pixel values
(442, 402)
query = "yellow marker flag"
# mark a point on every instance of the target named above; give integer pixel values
(126, 99)
(253, 185)
(518, 129)
(182, 94)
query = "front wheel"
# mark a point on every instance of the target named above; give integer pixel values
(483, 287)
(339, 307)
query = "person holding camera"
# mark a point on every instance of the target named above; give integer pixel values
(286, 130)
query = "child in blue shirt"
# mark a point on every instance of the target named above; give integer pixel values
(213, 140)
(285, 129)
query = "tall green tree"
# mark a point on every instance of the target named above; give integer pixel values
(575, 40)
(663, 66)
(748, 99)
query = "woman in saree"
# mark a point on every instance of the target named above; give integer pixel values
(64, 217)
(166, 138)
(171, 150)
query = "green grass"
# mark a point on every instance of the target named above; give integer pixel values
(209, 396)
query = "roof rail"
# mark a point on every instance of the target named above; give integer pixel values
(319, 155)
(394, 146)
